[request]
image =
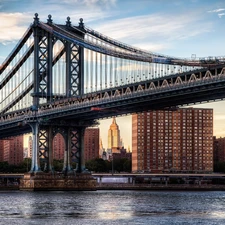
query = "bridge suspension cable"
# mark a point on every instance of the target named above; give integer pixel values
(107, 64)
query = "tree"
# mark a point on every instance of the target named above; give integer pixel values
(219, 167)
(4, 166)
(91, 165)
(127, 166)
(58, 165)
(97, 165)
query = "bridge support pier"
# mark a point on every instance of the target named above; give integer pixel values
(35, 164)
(42, 148)
(38, 179)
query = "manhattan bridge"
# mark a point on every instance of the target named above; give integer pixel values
(63, 78)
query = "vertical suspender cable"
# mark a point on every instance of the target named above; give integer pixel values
(87, 69)
(96, 70)
(121, 71)
(111, 73)
(101, 71)
(106, 67)
(115, 72)
(91, 70)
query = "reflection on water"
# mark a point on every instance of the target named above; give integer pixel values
(112, 207)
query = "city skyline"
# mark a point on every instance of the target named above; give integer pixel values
(179, 28)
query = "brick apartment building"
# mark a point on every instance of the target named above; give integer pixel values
(180, 140)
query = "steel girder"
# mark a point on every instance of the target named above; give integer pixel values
(73, 70)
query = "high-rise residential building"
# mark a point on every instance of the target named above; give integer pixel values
(13, 150)
(58, 147)
(91, 143)
(1, 150)
(114, 135)
(30, 147)
(180, 140)
(219, 149)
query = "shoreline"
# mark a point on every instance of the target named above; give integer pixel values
(117, 187)
(161, 187)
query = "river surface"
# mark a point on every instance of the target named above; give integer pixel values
(112, 207)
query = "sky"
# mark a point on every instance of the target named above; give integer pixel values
(178, 28)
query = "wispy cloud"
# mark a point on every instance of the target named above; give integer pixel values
(218, 12)
(152, 29)
(89, 10)
(13, 27)
(221, 14)
(15, 24)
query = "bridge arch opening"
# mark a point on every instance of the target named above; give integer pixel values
(58, 152)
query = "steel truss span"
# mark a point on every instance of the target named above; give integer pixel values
(65, 77)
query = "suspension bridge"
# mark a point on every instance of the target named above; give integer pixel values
(63, 78)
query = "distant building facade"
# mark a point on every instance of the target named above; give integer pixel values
(122, 154)
(113, 135)
(101, 149)
(1, 150)
(219, 149)
(30, 147)
(91, 143)
(13, 150)
(180, 140)
(58, 146)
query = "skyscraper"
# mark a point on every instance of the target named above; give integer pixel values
(113, 135)
(180, 140)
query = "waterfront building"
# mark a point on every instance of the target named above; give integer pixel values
(180, 140)
(219, 149)
(91, 143)
(13, 150)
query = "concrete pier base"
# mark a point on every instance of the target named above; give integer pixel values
(57, 182)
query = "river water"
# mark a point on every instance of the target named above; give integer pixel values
(112, 207)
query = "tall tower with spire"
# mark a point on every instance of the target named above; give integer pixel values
(113, 135)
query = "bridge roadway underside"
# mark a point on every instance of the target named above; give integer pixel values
(163, 99)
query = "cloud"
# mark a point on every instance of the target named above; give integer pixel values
(15, 24)
(216, 10)
(152, 29)
(13, 27)
(89, 10)
(221, 14)
(87, 7)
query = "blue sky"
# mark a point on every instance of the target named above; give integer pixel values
(172, 27)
